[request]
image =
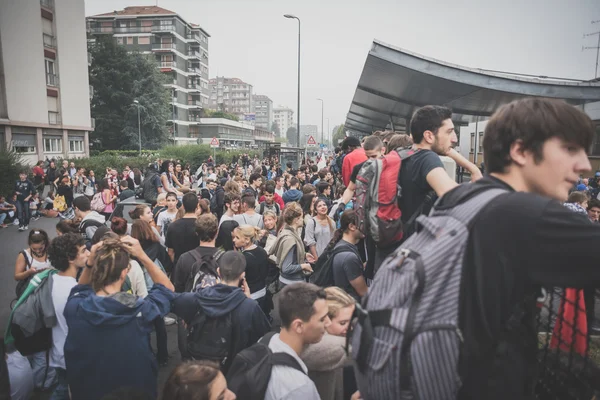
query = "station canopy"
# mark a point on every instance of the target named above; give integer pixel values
(395, 82)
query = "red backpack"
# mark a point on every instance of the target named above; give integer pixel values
(376, 198)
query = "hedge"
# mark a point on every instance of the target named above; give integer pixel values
(11, 165)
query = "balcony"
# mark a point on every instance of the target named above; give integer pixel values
(195, 71)
(193, 54)
(194, 118)
(195, 86)
(49, 4)
(193, 37)
(49, 41)
(168, 64)
(100, 29)
(164, 46)
(54, 118)
(51, 80)
(133, 29)
(195, 103)
(162, 28)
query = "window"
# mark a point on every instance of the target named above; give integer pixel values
(472, 143)
(76, 145)
(24, 149)
(119, 40)
(144, 40)
(129, 39)
(480, 143)
(52, 145)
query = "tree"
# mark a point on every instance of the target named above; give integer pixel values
(339, 132)
(275, 129)
(291, 136)
(119, 78)
(222, 114)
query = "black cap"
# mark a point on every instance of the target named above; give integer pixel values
(350, 141)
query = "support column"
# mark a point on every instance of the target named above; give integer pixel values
(65, 144)
(39, 143)
(86, 143)
(8, 136)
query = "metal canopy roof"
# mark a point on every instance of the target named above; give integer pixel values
(395, 82)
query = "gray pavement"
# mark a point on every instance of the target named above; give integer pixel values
(11, 242)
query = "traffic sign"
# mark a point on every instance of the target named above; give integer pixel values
(214, 142)
(311, 141)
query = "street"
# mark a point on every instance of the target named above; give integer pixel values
(14, 241)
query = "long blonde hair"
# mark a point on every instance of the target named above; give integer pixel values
(249, 232)
(336, 300)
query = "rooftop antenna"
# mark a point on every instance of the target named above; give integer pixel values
(597, 47)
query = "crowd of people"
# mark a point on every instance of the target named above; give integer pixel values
(232, 255)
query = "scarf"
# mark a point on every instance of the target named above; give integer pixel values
(286, 240)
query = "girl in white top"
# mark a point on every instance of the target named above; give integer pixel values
(33, 259)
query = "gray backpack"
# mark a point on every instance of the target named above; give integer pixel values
(406, 342)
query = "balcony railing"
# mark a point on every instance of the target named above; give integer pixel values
(194, 70)
(194, 103)
(48, 4)
(100, 29)
(49, 41)
(54, 118)
(51, 80)
(193, 86)
(194, 118)
(164, 46)
(193, 36)
(194, 54)
(133, 29)
(162, 28)
(168, 64)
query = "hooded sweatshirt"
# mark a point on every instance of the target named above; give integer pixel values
(291, 195)
(108, 345)
(249, 321)
(89, 224)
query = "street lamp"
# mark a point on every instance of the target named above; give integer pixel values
(322, 107)
(298, 109)
(137, 103)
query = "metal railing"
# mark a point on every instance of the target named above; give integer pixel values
(47, 3)
(54, 118)
(164, 46)
(100, 29)
(49, 41)
(162, 28)
(192, 53)
(51, 80)
(133, 29)
(194, 70)
(194, 103)
(168, 64)
(193, 37)
(193, 86)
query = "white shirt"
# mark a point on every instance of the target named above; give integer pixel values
(61, 289)
(164, 219)
(286, 382)
(280, 192)
(138, 282)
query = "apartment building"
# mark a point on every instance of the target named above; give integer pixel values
(263, 110)
(284, 117)
(180, 49)
(44, 86)
(231, 95)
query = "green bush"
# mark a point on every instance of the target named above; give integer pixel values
(99, 163)
(127, 153)
(11, 165)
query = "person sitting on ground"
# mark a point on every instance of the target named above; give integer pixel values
(102, 313)
(197, 380)
(230, 297)
(326, 360)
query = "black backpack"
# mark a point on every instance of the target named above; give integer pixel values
(211, 339)
(323, 268)
(148, 191)
(263, 206)
(250, 371)
(204, 270)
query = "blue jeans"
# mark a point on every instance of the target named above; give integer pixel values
(23, 212)
(3, 217)
(61, 391)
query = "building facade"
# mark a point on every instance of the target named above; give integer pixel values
(284, 117)
(44, 86)
(232, 134)
(231, 95)
(180, 49)
(263, 109)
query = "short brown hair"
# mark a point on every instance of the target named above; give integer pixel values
(207, 227)
(191, 380)
(533, 121)
(577, 197)
(297, 301)
(399, 140)
(373, 143)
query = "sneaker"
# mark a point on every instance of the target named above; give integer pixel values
(169, 321)
(26, 227)
(16, 222)
(21, 228)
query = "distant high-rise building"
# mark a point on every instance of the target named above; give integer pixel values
(180, 49)
(284, 117)
(231, 95)
(44, 85)
(263, 109)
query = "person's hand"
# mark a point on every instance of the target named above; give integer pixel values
(476, 175)
(245, 288)
(356, 396)
(93, 251)
(133, 246)
(306, 267)
(310, 258)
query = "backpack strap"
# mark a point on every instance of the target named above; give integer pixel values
(27, 260)
(262, 208)
(280, 358)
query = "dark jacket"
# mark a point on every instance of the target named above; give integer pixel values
(25, 188)
(108, 345)
(183, 269)
(292, 195)
(249, 321)
(219, 202)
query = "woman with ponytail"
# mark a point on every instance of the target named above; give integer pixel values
(108, 346)
(347, 266)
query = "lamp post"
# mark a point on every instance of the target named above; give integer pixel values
(137, 103)
(322, 108)
(298, 108)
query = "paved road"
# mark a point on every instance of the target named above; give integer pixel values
(11, 242)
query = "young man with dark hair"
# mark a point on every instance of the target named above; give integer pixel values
(269, 203)
(181, 234)
(523, 239)
(68, 255)
(593, 210)
(249, 216)
(304, 317)
(292, 194)
(231, 296)
(324, 192)
(255, 180)
(125, 191)
(25, 191)
(232, 206)
(90, 220)
(272, 186)
(354, 154)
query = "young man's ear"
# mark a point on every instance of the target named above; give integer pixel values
(219, 272)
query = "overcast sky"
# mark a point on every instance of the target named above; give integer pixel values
(251, 40)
